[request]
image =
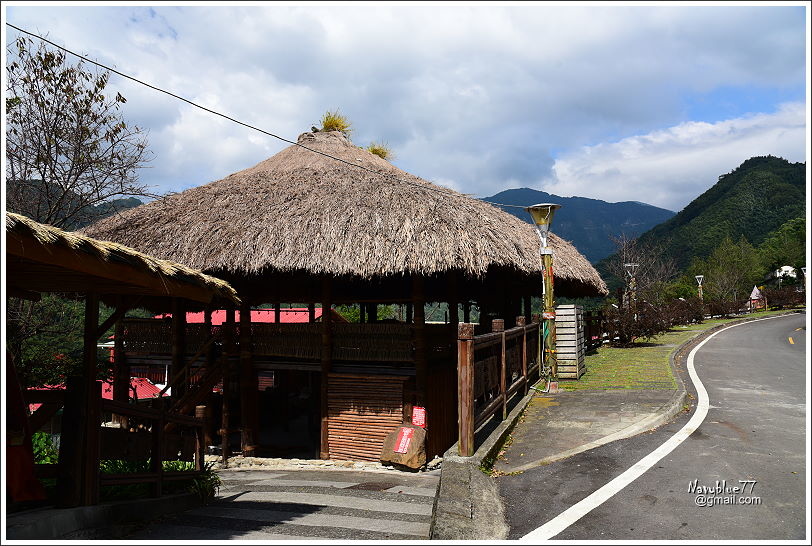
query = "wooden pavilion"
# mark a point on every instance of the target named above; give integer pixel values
(325, 222)
(41, 258)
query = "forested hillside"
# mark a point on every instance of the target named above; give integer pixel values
(752, 201)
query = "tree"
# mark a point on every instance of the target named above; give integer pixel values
(651, 274)
(785, 246)
(68, 150)
(730, 271)
(70, 158)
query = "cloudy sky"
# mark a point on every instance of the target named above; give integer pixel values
(614, 102)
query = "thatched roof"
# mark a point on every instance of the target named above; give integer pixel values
(45, 258)
(301, 211)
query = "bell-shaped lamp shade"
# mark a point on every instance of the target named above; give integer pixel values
(542, 215)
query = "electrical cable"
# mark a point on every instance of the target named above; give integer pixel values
(438, 188)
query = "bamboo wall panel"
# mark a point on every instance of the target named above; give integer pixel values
(362, 411)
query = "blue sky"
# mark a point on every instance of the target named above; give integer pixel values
(615, 102)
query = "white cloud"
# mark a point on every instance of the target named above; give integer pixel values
(481, 95)
(671, 167)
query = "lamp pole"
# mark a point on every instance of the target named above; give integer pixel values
(542, 215)
(630, 269)
(699, 282)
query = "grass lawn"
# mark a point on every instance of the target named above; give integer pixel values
(643, 366)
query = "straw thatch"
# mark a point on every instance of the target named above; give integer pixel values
(301, 211)
(50, 237)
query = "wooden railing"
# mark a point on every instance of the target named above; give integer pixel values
(491, 369)
(84, 443)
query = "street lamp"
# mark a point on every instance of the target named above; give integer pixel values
(699, 282)
(630, 269)
(542, 215)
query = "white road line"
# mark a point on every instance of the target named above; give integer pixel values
(598, 497)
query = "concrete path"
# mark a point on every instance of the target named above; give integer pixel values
(307, 504)
(556, 426)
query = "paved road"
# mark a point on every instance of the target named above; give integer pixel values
(308, 504)
(754, 430)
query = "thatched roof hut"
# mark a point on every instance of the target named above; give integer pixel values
(302, 212)
(43, 258)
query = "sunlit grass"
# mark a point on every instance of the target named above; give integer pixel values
(644, 365)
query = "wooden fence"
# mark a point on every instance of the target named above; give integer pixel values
(491, 369)
(150, 434)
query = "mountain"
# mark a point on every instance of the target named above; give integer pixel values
(587, 223)
(34, 198)
(753, 200)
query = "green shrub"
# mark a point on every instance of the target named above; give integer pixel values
(44, 450)
(207, 484)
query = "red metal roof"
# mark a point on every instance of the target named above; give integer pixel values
(144, 388)
(286, 315)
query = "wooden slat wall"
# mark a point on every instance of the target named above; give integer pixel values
(570, 341)
(362, 410)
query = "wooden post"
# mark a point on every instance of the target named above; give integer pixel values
(466, 312)
(277, 309)
(465, 388)
(72, 440)
(362, 313)
(249, 411)
(201, 436)
(420, 353)
(528, 309)
(228, 346)
(521, 321)
(91, 415)
(157, 452)
(372, 312)
(92, 449)
(178, 348)
(409, 313)
(498, 325)
(453, 301)
(311, 312)
(326, 360)
(121, 374)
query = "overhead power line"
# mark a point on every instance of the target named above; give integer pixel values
(234, 120)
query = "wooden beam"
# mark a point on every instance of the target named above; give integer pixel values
(23, 294)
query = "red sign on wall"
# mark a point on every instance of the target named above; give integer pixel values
(404, 439)
(419, 416)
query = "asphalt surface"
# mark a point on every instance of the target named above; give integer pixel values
(754, 430)
(307, 505)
